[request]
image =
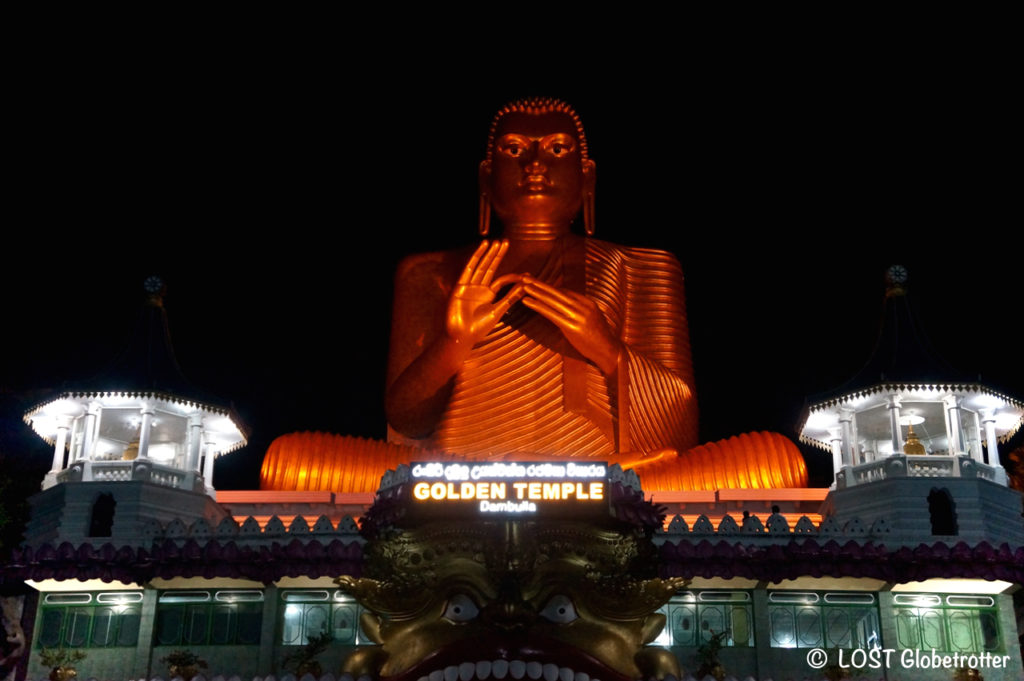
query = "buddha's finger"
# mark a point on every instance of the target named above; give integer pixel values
(492, 266)
(555, 293)
(470, 268)
(487, 262)
(510, 299)
(565, 322)
(553, 299)
(504, 280)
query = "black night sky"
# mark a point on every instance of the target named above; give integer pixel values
(277, 206)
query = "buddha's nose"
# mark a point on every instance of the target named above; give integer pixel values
(531, 157)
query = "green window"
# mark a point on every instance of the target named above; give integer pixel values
(309, 612)
(226, 617)
(695, 616)
(950, 623)
(90, 620)
(838, 619)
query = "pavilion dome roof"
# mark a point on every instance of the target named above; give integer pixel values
(904, 363)
(146, 369)
(903, 352)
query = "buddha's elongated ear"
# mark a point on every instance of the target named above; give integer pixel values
(589, 181)
(484, 225)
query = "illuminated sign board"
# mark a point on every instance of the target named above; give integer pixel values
(511, 487)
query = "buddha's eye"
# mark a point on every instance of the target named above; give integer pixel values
(460, 608)
(559, 149)
(513, 149)
(560, 610)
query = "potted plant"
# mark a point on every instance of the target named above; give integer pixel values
(707, 656)
(61, 662)
(834, 672)
(183, 663)
(303, 660)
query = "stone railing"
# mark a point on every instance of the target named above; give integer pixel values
(913, 466)
(144, 470)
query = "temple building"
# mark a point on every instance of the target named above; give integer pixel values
(915, 550)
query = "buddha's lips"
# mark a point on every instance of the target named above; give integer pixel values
(491, 647)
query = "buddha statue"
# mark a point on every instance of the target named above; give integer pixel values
(543, 342)
(540, 344)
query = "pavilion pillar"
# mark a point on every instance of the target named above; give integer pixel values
(846, 430)
(893, 405)
(92, 417)
(63, 425)
(195, 426)
(208, 464)
(837, 454)
(144, 428)
(992, 443)
(954, 429)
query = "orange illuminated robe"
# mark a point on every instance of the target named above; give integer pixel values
(524, 390)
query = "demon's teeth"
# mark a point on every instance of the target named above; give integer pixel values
(483, 670)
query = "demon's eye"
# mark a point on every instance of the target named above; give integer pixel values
(559, 610)
(460, 608)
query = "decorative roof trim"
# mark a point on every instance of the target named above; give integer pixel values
(684, 558)
(142, 394)
(909, 385)
(167, 559)
(804, 439)
(690, 559)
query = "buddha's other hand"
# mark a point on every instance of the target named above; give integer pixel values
(580, 320)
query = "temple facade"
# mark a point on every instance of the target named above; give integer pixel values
(905, 567)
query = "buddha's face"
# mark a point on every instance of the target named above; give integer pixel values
(536, 176)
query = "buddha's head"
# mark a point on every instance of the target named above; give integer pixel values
(515, 600)
(537, 173)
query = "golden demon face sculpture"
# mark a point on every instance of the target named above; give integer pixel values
(562, 601)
